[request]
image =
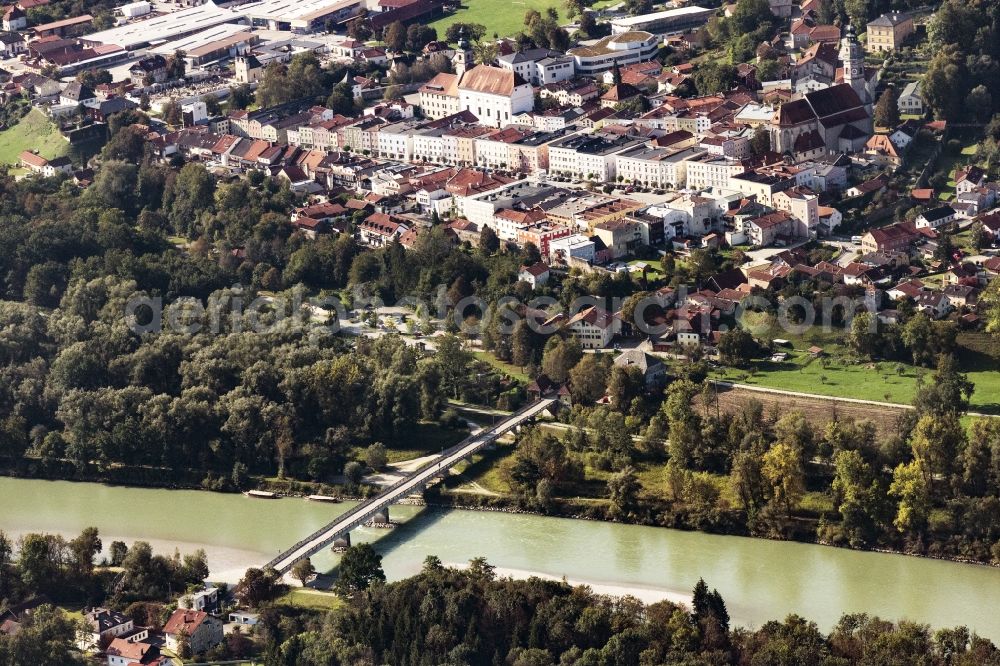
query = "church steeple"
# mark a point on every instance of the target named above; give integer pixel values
(464, 58)
(853, 57)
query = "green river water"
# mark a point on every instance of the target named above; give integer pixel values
(760, 580)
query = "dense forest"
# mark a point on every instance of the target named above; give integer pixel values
(450, 617)
(922, 481)
(80, 386)
(445, 616)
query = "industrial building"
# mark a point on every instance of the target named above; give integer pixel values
(299, 15)
(664, 23)
(166, 27)
(215, 43)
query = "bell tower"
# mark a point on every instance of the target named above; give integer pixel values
(853, 57)
(464, 58)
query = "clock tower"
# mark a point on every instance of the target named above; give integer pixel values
(464, 58)
(853, 57)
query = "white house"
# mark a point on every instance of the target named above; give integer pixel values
(555, 69)
(524, 63)
(936, 217)
(43, 167)
(378, 230)
(246, 618)
(577, 247)
(593, 327)
(201, 630)
(911, 100)
(102, 625)
(76, 93)
(494, 95)
(11, 44)
(536, 275)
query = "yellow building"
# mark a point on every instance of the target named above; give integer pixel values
(888, 32)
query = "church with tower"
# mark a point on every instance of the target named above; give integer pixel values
(832, 119)
(854, 74)
(464, 58)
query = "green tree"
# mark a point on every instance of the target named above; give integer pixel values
(489, 243)
(684, 424)
(864, 337)
(539, 456)
(353, 472)
(559, 357)
(944, 83)
(623, 492)
(395, 36)
(303, 570)
(257, 587)
(911, 486)
(625, 385)
(782, 467)
(376, 457)
(979, 102)
(360, 568)
(452, 360)
(172, 113)
(589, 378)
(947, 392)
(938, 440)
(117, 550)
(887, 108)
(760, 143)
(737, 347)
(856, 496)
(84, 548)
(472, 32)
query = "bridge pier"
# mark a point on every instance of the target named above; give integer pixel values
(342, 543)
(336, 532)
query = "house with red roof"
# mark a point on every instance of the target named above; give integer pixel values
(379, 229)
(593, 327)
(536, 275)
(122, 652)
(201, 630)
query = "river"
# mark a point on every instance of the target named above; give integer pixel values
(760, 580)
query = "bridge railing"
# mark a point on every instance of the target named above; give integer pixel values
(486, 435)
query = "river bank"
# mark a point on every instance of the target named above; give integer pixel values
(298, 489)
(761, 580)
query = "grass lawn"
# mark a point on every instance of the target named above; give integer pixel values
(654, 268)
(948, 163)
(33, 132)
(843, 377)
(303, 597)
(420, 440)
(503, 17)
(484, 469)
(72, 611)
(512, 371)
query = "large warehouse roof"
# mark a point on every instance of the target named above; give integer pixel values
(293, 10)
(167, 26)
(666, 17)
(195, 41)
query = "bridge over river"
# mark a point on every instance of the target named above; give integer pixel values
(340, 528)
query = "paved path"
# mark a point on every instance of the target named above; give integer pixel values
(829, 398)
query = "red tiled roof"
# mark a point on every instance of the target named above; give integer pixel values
(184, 620)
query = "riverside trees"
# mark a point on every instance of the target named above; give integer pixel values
(471, 616)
